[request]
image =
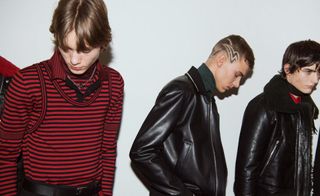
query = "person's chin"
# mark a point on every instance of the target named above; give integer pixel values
(77, 72)
(309, 92)
(221, 90)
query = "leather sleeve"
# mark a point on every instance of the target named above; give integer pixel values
(316, 170)
(253, 143)
(4, 84)
(146, 151)
(1, 92)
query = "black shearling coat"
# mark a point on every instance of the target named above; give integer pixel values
(275, 146)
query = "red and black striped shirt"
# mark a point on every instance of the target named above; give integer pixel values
(75, 143)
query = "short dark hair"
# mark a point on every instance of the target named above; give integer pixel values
(236, 47)
(301, 54)
(89, 20)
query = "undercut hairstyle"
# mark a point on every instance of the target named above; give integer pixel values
(89, 20)
(301, 54)
(236, 48)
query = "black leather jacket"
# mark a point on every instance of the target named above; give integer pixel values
(178, 148)
(274, 153)
(4, 83)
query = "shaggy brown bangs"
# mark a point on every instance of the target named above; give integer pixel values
(88, 18)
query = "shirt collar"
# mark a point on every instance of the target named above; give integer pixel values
(207, 78)
(295, 99)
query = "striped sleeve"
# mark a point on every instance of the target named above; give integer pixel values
(112, 125)
(12, 127)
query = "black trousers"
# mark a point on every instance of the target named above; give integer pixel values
(26, 193)
(34, 188)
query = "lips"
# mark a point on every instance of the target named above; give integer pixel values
(228, 87)
(311, 86)
(75, 68)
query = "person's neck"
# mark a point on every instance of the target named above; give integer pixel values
(210, 63)
(294, 91)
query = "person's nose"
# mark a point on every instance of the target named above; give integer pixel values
(315, 79)
(75, 58)
(236, 83)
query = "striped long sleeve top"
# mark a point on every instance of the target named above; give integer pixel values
(75, 142)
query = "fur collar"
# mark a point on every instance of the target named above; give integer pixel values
(277, 96)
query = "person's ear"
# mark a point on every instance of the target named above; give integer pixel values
(221, 58)
(286, 68)
(103, 48)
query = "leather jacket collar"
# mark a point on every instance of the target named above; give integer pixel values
(195, 77)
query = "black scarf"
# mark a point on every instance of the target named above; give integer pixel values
(89, 90)
(278, 98)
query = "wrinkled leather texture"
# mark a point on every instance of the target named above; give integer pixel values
(178, 149)
(274, 152)
(4, 83)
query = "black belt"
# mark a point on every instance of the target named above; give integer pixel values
(61, 190)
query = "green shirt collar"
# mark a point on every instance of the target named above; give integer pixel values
(207, 78)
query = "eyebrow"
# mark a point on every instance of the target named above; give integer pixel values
(239, 73)
(309, 69)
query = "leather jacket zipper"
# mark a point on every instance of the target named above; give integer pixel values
(270, 157)
(213, 150)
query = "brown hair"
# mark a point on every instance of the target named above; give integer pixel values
(301, 54)
(236, 47)
(88, 18)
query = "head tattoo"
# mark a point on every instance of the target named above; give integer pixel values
(233, 55)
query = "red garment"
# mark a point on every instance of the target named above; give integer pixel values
(7, 69)
(295, 99)
(75, 143)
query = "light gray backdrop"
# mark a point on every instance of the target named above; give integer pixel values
(155, 41)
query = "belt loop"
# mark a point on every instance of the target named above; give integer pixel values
(80, 190)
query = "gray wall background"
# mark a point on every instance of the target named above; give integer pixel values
(155, 41)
